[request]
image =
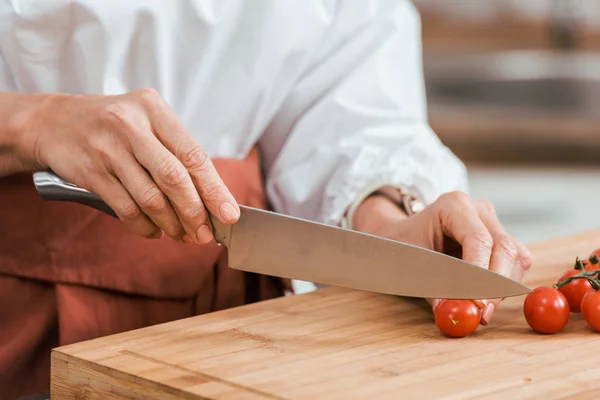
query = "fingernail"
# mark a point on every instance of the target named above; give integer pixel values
(204, 234)
(187, 239)
(487, 313)
(229, 212)
(480, 303)
(158, 235)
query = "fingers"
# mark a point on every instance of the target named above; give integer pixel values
(509, 252)
(171, 133)
(148, 195)
(509, 257)
(173, 180)
(134, 153)
(118, 198)
(525, 262)
(485, 242)
(460, 220)
(434, 303)
(135, 134)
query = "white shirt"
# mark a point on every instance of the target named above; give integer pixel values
(331, 90)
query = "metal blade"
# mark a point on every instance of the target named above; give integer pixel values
(273, 244)
(287, 247)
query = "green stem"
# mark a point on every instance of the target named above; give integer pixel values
(589, 275)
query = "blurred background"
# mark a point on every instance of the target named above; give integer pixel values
(514, 90)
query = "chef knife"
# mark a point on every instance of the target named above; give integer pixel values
(273, 244)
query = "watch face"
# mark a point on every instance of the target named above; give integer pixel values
(418, 206)
(412, 204)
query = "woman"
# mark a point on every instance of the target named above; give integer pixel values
(170, 110)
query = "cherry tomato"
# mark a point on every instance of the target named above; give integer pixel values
(574, 290)
(585, 264)
(592, 262)
(457, 318)
(546, 310)
(590, 308)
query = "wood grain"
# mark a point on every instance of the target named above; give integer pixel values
(341, 344)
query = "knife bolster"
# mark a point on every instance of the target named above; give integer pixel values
(221, 232)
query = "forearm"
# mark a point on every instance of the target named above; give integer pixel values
(15, 132)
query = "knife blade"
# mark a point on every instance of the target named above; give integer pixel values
(274, 244)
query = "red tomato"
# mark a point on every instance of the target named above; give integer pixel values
(590, 309)
(592, 262)
(584, 264)
(546, 310)
(574, 290)
(457, 318)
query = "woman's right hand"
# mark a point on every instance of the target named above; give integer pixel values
(133, 152)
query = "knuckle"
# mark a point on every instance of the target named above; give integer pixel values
(129, 210)
(174, 230)
(508, 247)
(172, 173)
(102, 145)
(149, 233)
(120, 111)
(90, 175)
(153, 200)
(193, 212)
(458, 198)
(195, 158)
(122, 117)
(90, 168)
(526, 260)
(149, 97)
(487, 206)
(483, 240)
(213, 193)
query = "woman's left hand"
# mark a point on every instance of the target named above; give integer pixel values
(455, 224)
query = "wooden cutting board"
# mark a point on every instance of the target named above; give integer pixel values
(342, 344)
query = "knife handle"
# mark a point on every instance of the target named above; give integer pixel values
(50, 186)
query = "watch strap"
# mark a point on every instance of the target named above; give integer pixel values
(407, 200)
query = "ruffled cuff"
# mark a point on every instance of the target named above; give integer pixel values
(426, 168)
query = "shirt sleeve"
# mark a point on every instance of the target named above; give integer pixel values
(357, 120)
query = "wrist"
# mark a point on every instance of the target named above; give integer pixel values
(375, 212)
(23, 116)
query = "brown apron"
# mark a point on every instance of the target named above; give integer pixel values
(70, 273)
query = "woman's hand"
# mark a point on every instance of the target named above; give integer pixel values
(133, 152)
(456, 225)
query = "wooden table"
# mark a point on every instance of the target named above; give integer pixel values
(341, 344)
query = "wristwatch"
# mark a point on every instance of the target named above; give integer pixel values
(407, 200)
